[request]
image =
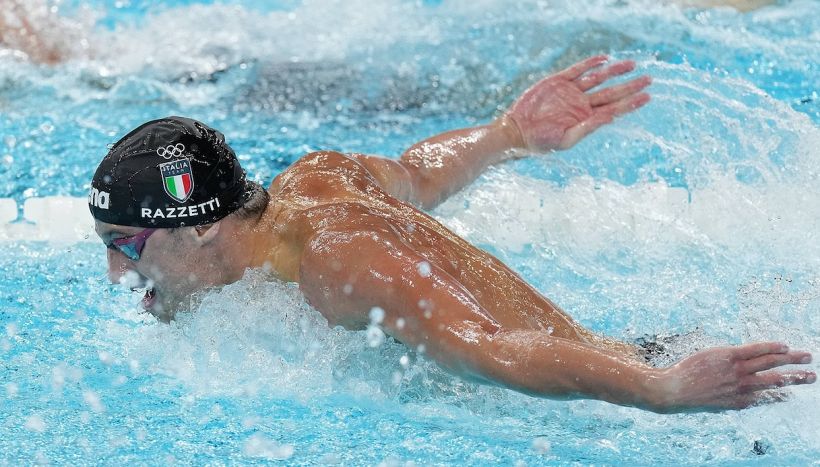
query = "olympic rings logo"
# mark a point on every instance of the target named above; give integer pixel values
(172, 150)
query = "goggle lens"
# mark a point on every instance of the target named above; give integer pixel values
(132, 245)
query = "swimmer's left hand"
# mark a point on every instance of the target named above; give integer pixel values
(726, 378)
(560, 110)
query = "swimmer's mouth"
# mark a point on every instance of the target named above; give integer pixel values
(149, 299)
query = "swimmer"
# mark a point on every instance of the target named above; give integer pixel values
(38, 31)
(179, 215)
(35, 29)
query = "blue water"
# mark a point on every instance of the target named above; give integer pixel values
(697, 214)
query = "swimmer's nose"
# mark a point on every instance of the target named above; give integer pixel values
(118, 265)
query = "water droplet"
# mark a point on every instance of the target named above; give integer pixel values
(130, 279)
(106, 358)
(424, 269)
(93, 400)
(541, 445)
(259, 446)
(375, 336)
(376, 315)
(35, 423)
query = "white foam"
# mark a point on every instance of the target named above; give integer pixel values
(8, 210)
(197, 40)
(272, 345)
(56, 219)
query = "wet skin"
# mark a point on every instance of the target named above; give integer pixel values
(334, 209)
(349, 230)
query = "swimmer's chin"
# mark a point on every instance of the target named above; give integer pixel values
(165, 309)
(159, 312)
(156, 307)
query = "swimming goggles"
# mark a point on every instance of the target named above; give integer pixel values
(132, 245)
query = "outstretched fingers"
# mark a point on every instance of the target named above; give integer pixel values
(752, 359)
(582, 67)
(744, 401)
(621, 106)
(621, 91)
(601, 116)
(590, 80)
(749, 351)
(776, 379)
(774, 360)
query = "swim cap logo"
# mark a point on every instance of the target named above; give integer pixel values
(177, 179)
(172, 150)
(99, 198)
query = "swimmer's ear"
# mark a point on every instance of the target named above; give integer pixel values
(204, 234)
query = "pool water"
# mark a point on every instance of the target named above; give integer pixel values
(697, 215)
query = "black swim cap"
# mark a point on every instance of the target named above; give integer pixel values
(168, 173)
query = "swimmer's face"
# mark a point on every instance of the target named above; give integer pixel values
(172, 266)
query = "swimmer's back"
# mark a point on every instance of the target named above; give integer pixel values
(330, 192)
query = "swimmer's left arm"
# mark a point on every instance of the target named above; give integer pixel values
(553, 114)
(347, 273)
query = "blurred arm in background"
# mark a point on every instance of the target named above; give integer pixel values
(34, 28)
(740, 5)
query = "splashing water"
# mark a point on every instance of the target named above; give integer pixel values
(696, 216)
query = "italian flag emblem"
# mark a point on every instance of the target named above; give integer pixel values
(177, 179)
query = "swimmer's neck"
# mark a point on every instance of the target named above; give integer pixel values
(256, 243)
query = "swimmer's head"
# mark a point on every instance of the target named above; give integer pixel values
(162, 199)
(168, 173)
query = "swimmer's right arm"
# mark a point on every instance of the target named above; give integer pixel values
(554, 114)
(424, 306)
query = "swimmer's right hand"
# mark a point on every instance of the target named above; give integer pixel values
(729, 378)
(561, 109)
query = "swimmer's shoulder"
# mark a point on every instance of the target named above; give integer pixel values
(324, 175)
